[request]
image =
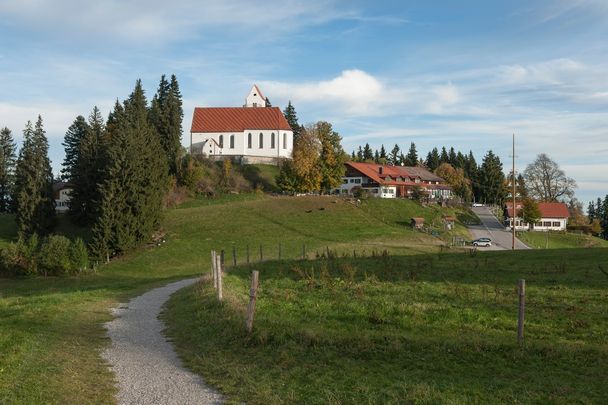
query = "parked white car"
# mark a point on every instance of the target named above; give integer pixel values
(482, 242)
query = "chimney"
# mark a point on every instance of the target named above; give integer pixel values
(380, 169)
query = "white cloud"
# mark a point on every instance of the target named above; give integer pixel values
(159, 20)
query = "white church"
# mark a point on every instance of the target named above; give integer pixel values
(254, 133)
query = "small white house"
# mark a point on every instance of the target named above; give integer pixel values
(254, 133)
(61, 194)
(554, 217)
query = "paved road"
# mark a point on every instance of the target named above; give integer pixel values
(147, 368)
(493, 229)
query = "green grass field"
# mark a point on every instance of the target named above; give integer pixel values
(51, 329)
(560, 240)
(404, 329)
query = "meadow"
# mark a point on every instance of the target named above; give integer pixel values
(51, 329)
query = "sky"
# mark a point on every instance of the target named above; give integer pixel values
(466, 74)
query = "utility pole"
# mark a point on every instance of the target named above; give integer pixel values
(514, 208)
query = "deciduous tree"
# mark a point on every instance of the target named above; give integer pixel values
(546, 181)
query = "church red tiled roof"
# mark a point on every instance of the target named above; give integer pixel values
(547, 210)
(238, 119)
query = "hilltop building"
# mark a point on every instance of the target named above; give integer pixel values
(387, 181)
(254, 133)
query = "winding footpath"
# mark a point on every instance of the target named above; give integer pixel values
(144, 362)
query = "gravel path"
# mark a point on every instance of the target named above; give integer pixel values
(147, 368)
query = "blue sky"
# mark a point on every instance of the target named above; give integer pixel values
(466, 74)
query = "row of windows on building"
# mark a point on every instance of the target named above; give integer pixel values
(250, 141)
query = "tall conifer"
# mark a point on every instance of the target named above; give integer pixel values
(166, 115)
(33, 193)
(7, 168)
(71, 143)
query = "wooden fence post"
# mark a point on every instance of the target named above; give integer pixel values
(213, 267)
(220, 271)
(247, 254)
(521, 284)
(222, 259)
(261, 254)
(234, 256)
(253, 292)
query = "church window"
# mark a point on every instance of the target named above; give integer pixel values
(284, 140)
(249, 140)
(261, 140)
(272, 140)
(221, 142)
(231, 141)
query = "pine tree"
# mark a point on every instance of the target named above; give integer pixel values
(33, 192)
(460, 160)
(394, 156)
(368, 155)
(71, 143)
(432, 159)
(492, 180)
(412, 156)
(292, 119)
(86, 174)
(591, 211)
(452, 156)
(134, 179)
(7, 169)
(353, 157)
(604, 217)
(166, 115)
(444, 158)
(360, 154)
(376, 157)
(383, 153)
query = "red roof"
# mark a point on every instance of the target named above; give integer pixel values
(547, 210)
(238, 119)
(372, 170)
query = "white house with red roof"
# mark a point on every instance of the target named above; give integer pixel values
(554, 217)
(387, 181)
(253, 133)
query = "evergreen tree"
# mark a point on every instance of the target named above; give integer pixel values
(376, 157)
(492, 180)
(433, 160)
(368, 155)
(33, 192)
(591, 211)
(134, 179)
(86, 173)
(360, 154)
(292, 118)
(383, 153)
(71, 143)
(520, 187)
(452, 157)
(604, 217)
(166, 115)
(460, 160)
(444, 158)
(412, 156)
(394, 156)
(7, 169)
(470, 166)
(353, 157)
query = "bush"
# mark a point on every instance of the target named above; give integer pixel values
(79, 256)
(20, 258)
(55, 255)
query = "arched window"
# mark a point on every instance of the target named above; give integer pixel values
(272, 140)
(221, 142)
(285, 140)
(231, 141)
(249, 140)
(261, 140)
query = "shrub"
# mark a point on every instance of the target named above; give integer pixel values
(54, 257)
(79, 256)
(20, 258)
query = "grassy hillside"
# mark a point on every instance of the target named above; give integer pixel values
(261, 176)
(560, 240)
(415, 329)
(51, 330)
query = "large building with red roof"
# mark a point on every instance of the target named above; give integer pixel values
(253, 133)
(387, 181)
(554, 217)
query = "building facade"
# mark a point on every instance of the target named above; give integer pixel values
(554, 217)
(253, 133)
(386, 181)
(61, 195)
